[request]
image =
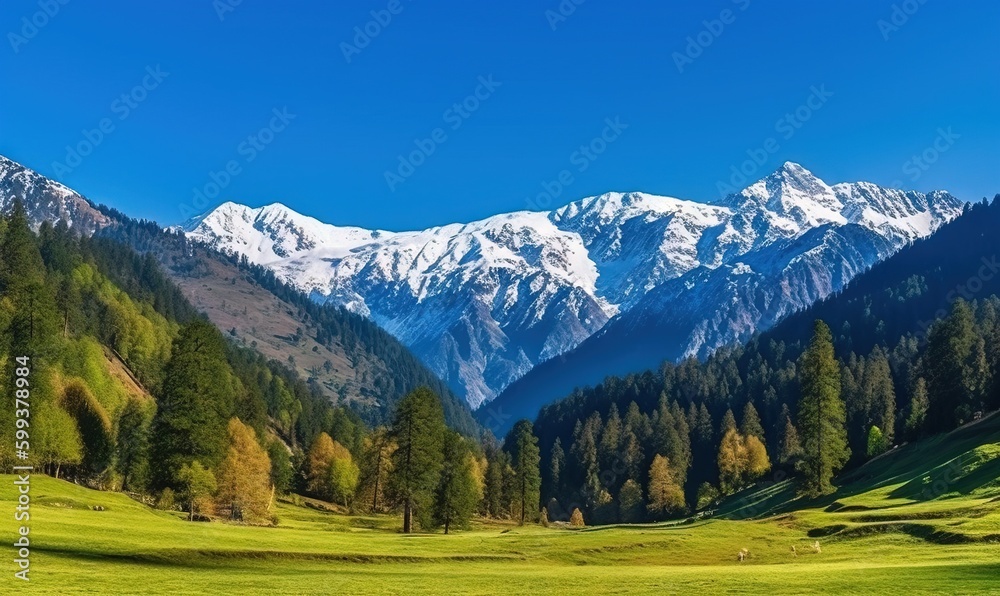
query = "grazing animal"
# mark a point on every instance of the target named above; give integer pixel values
(816, 547)
(743, 555)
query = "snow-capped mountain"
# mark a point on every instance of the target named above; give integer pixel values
(46, 200)
(483, 303)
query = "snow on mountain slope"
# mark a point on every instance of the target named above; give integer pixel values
(485, 302)
(46, 200)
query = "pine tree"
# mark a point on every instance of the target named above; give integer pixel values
(950, 350)
(493, 489)
(195, 404)
(752, 426)
(821, 415)
(611, 438)
(584, 451)
(728, 423)
(790, 447)
(417, 430)
(455, 498)
(880, 394)
(557, 462)
(635, 457)
(917, 417)
(33, 318)
(523, 449)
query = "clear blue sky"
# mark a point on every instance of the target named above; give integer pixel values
(558, 85)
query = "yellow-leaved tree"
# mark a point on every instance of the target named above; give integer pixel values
(244, 476)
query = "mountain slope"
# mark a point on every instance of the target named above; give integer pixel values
(346, 356)
(47, 200)
(484, 303)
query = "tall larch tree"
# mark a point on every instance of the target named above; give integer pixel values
(244, 476)
(665, 493)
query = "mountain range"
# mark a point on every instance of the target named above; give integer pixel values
(521, 307)
(346, 357)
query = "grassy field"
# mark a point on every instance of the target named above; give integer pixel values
(923, 519)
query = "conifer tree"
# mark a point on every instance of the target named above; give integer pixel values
(918, 408)
(752, 426)
(417, 430)
(493, 489)
(665, 492)
(821, 415)
(196, 402)
(455, 498)
(523, 448)
(950, 382)
(790, 447)
(376, 465)
(244, 476)
(318, 463)
(132, 446)
(557, 462)
(880, 394)
(728, 423)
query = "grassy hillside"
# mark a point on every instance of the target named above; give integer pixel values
(923, 518)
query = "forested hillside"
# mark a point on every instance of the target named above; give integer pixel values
(343, 355)
(917, 347)
(114, 357)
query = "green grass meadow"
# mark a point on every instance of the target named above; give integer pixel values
(922, 519)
